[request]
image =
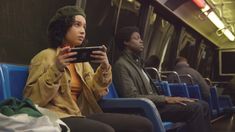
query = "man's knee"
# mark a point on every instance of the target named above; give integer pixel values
(103, 128)
(195, 107)
(204, 104)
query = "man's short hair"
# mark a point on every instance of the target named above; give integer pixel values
(124, 34)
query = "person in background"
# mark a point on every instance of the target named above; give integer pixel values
(131, 81)
(71, 90)
(182, 67)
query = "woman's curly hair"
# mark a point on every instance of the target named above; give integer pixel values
(58, 29)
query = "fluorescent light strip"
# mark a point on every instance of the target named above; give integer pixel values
(215, 19)
(229, 34)
(218, 23)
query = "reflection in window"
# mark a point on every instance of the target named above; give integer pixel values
(103, 20)
(129, 12)
(157, 37)
(187, 46)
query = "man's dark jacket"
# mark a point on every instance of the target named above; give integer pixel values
(130, 80)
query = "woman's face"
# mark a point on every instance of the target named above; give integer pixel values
(77, 32)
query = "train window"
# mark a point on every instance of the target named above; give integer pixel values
(129, 13)
(226, 63)
(23, 25)
(158, 37)
(103, 15)
(205, 56)
(187, 46)
(100, 16)
(104, 18)
(191, 46)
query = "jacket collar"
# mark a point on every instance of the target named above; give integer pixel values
(135, 58)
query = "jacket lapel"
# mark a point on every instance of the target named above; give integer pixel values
(134, 64)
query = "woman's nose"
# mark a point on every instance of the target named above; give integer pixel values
(82, 31)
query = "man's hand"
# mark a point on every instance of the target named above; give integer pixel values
(178, 100)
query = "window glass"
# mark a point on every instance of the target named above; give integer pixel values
(158, 38)
(23, 25)
(129, 13)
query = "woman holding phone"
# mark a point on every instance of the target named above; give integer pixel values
(71, 90)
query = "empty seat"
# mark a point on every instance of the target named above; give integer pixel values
(141, 106)
(179, 89)
(15, 77)
(194, 92)
(220, 103)
(3, 94)
(145, 107)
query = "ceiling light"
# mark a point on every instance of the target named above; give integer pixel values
(217, 22)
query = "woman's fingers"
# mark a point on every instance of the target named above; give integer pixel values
(64, 58)
(100, 55)
(64, 50)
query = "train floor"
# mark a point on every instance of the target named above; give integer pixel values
(225, 124)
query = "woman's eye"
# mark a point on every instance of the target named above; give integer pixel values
(77, 24)
(136, 38)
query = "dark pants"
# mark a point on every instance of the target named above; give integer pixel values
(196, 115)
(108, 122)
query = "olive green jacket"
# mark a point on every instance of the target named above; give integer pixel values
(50, 88)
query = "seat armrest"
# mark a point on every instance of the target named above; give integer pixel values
(146, 105)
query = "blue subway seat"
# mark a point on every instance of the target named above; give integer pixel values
(3, 94)
(141, 106)
(15, 77)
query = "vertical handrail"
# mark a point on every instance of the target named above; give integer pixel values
(117, 18)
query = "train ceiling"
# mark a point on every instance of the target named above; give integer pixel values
(191, 14)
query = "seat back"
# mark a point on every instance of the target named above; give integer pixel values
(214, 98)
(112, 92)
(164, 86)
(179, 89)
(194, 92)
(3, 94)
(15, 77)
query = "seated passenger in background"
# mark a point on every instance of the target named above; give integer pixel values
(72, 90)
(131, 81)
(182, 67)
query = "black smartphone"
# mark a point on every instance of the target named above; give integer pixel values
(84, 53)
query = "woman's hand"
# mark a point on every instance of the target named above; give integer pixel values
(64, 58)
(101, 57)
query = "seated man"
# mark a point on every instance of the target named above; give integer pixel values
(182, 67)
(131, 81)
